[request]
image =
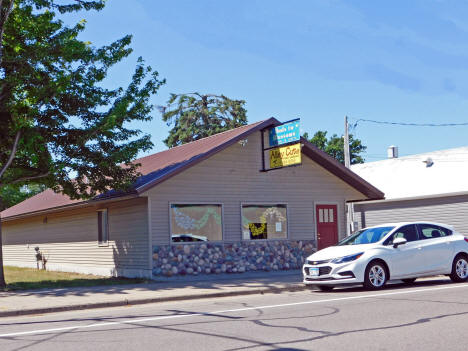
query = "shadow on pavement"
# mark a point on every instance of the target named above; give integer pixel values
(215, 283)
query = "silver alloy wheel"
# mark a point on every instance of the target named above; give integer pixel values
(462, 268)
(377, 276)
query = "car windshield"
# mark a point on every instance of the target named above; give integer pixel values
(366, 236)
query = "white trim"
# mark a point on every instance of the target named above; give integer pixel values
(132, 273)
(422, 197)
(196, 203)
(337, 204)
(266, 203)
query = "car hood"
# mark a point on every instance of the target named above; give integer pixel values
(339, 251)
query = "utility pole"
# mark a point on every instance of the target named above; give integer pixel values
(350, 207)
(346, 143)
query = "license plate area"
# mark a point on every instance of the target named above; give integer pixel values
(314, 272)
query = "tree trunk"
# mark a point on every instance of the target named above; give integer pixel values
(2, 274)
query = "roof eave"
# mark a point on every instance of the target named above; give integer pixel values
(81, 204)
(411, 198)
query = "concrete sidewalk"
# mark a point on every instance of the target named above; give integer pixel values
(164, 290)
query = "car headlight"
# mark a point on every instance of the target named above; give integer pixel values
(347, 258)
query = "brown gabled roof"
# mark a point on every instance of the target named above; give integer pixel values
(155, 168)
(160, 166)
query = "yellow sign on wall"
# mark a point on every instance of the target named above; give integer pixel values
(285, 156)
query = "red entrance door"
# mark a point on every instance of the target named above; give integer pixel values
(327, 225)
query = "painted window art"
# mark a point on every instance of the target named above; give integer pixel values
(196, 223)
(264, 222)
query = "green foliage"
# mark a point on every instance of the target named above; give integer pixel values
(72, 132)
(59, 126)
(195, 116)
(11, 195)
(334, 146)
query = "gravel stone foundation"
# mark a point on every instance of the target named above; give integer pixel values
(237, 257)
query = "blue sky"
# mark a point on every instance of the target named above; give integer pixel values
(403, 61)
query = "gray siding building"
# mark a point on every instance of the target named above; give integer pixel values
(431, 187)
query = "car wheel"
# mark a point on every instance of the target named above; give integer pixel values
(375, 276)
(459, 269)
(325, 288)
(409, 280)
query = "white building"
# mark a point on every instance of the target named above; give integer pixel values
(432, 186)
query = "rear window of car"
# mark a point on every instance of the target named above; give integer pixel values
(430, 231)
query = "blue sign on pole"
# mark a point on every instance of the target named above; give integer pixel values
(285, 133)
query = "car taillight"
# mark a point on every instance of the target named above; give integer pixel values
(466, 239)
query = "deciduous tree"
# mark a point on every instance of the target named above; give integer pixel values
(334, 146)
(12, 195)
(59, 126)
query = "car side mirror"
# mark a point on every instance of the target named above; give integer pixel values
(399, 241)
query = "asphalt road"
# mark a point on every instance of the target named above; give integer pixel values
(429, 315)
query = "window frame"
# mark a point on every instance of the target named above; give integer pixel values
(194, 203)
(266, 203)
(100, 227)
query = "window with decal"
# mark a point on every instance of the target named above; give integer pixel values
(264, 222)
(196, 222)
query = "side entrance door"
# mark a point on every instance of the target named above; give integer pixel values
(327, 225)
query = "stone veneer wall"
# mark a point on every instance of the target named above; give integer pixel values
(237, 257)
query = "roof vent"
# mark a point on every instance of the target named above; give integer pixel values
(429, 162)
(392, 151)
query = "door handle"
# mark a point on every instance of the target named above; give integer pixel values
(419, 247)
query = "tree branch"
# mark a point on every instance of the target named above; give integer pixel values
(12, 154)
(25, 179)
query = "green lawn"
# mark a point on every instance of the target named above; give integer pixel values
(28, 278)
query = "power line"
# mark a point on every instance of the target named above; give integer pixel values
(409, 124)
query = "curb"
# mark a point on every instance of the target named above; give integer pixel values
(128, 302)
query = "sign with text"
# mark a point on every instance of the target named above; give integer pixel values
(285, 156)
(284, 134)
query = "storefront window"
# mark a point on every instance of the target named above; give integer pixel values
(196, 223)
(264, 222)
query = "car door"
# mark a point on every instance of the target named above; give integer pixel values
(404, 260)
(436, 249)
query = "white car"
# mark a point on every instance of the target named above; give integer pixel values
(374, 255)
